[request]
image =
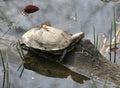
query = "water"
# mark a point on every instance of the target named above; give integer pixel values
(89, 14)
(60, 13)
(31, 79)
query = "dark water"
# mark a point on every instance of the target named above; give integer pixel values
(43, 73)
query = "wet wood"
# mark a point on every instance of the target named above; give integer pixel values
(84, 57)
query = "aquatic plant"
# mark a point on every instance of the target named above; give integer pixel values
(95, 37)
(112, 45)
(20, 51)
(110, 42)
(5, 70)
(115, 31)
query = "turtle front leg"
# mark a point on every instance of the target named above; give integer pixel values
(23, 46)
(63, 55)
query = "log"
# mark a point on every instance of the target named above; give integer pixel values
(85, 57)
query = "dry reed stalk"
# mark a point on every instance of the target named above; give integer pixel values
(102, 41)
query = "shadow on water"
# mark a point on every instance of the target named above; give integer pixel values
(51, 68)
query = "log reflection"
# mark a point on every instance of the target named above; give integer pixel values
(50, 68)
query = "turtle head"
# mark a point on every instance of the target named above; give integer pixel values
(76, 37)
(46, 24)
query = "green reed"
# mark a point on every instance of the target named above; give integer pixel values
(115, 30)
(110, 42)
(95, 37)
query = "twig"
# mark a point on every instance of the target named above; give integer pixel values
(112, 43)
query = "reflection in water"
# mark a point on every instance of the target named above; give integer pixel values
(51, 68)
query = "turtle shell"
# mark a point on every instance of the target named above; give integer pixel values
(47, 38)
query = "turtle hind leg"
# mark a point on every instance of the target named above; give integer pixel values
(63, 55)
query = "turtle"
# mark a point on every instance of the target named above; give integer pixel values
(51, 40)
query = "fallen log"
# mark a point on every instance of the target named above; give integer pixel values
(85, 57)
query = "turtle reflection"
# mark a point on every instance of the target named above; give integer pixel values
(50, 68)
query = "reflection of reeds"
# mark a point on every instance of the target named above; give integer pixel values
(6, 82)
(102, 42)
(94, 83)
(20, 51)
(105, 82)
(7, 20)
(6, 71)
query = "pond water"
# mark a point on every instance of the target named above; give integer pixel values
(61, 14)
(31, 79)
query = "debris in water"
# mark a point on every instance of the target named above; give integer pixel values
(74, 18)
(30, 9)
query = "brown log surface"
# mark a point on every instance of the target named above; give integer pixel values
(86, 57)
